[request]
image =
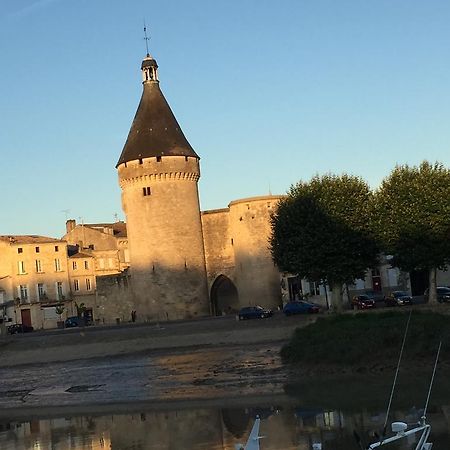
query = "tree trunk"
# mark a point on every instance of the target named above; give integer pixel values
(336, 298)
(432, 296)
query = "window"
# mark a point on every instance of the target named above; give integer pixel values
(140, 161)
(158, 159)
(101, 263)
(110, 263)
(23, 292)
(91, 246)
(41, 291)
(20, 267)
(57, 265)
(76, 285)
(86, 265)
(37, 249)
(20, 250)
(88, 284)
(59, 290)
(38, 266)
(56, 248)
(314, 288)
(74, 265)
(146, 191)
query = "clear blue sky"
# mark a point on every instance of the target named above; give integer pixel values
(267, 93)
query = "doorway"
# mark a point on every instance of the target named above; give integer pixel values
(419, 281)
(224, 296)
(26, 317)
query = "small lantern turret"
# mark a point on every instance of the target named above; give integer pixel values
(149, 69)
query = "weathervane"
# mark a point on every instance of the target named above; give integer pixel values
(146, 38)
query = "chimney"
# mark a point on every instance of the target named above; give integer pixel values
(70, 225)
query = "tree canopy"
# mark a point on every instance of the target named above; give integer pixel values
(321, 231)
(412, 217)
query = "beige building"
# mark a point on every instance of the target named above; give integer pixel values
(107, 243)
(33, 279)
(83, 284)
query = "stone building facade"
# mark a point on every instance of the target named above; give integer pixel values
(158, 174)
(33, 279)
(238, 261)
(184, 263)
(83, 285)
(107, 243)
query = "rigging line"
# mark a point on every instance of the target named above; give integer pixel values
(396, 372)
(432, 380)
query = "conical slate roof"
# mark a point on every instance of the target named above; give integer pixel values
(155, 131)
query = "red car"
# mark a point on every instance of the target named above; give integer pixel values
(362, 301)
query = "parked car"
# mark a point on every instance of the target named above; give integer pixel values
(19, 328)
(254, 312)
(443, 294)
(300, 307)
(74, 321)
(376, 296)
(362, 301)
(398, 298)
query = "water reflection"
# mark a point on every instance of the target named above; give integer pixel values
(285, 427)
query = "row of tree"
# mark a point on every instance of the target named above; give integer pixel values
(334, 227)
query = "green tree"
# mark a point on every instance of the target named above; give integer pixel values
(59, 309)
(412, 218)
(321, 232)
(81, 308)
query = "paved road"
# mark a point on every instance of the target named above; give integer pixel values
(128, 332)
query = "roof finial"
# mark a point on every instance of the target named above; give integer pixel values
(146, 38)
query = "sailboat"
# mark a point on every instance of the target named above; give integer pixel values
(401, 428)
(401, 432)
(253, 439)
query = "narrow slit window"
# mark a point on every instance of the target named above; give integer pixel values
(140, 161)
(146, 191)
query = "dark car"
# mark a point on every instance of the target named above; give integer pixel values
(300, 307)
(362, 301)
(72, 322)
(376, 296)
(19, 328)
(254, 312)
(398, 298)
(442, 292)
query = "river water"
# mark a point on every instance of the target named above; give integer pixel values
(232, 386)
(285, 426)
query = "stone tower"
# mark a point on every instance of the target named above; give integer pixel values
(158, 174)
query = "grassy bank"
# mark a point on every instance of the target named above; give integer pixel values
(366, 339)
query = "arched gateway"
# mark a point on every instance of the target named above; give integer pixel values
(224, 296)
